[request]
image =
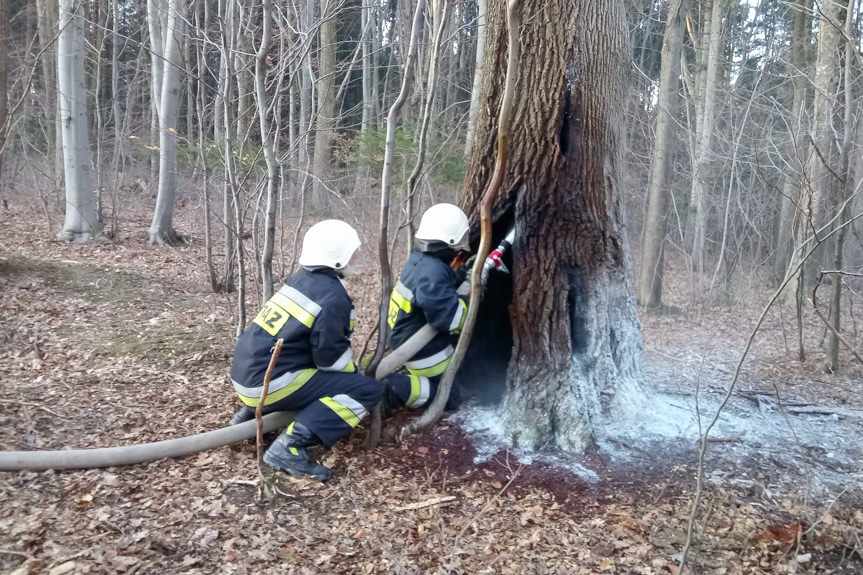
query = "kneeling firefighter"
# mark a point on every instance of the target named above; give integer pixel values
(427, 292)
(314, 373)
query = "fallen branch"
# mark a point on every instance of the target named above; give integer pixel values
(426, 503)
(36, 405)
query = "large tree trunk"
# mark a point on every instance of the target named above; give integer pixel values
(326, 87)
(161, 229)
(800, 41)
(658, 190)
(81, 223)
(576, 351)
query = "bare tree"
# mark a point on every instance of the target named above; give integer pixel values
(650, 281)
(269, 153)
(81, 223)
(161, 229)
(477, 75)
(789, 200)
(708, 65)
(842, 203)
(326, 88)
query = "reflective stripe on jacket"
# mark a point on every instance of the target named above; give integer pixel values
(313, 313)
(426, 293)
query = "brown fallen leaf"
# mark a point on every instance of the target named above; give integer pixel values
(786, 535)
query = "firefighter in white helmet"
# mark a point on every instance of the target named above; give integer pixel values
(315, 374)
(426, 293)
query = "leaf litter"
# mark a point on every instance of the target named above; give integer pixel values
(112, 344)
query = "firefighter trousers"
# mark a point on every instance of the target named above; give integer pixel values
(331, 403)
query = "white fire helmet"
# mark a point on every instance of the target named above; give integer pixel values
(445, 223)
(329, 243)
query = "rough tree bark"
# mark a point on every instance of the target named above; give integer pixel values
(575, 361)
(161, 229)
(81, 223)
(652, 247)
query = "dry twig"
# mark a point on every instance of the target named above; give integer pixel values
(259, 412)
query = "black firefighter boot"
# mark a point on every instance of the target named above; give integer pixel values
(245, 414)
(288, 453)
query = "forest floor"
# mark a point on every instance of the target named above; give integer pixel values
(102, 345)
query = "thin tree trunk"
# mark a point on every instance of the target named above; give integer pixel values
(816, 196)
(326, 98)
(368, 95)
(155, 8)
(658, 190)
(190, 88)
(228, 31)
(790, 198)
(477, 74)
(697, 221)
(201, 22)
(48, 23)
(117, 153)
(831, 363)
(81, 223)
(386, 176)
(161, 229)
(440, 16)
(269, 154)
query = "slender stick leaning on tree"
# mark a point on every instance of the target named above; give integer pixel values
(259, 411)
(434, 411)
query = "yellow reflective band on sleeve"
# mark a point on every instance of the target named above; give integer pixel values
(416, 390)
(432, 371)
(349, 368)
(353, 323)
(290, 428)
(293, 450)
(397, 302)
(342, 411)
(282, 393)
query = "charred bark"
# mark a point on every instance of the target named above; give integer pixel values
(575, 361)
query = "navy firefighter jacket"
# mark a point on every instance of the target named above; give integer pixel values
(426, 293)
(313, 313)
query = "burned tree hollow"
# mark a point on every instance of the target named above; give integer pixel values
(573, 337)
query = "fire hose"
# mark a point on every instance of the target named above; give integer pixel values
(143, 452)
